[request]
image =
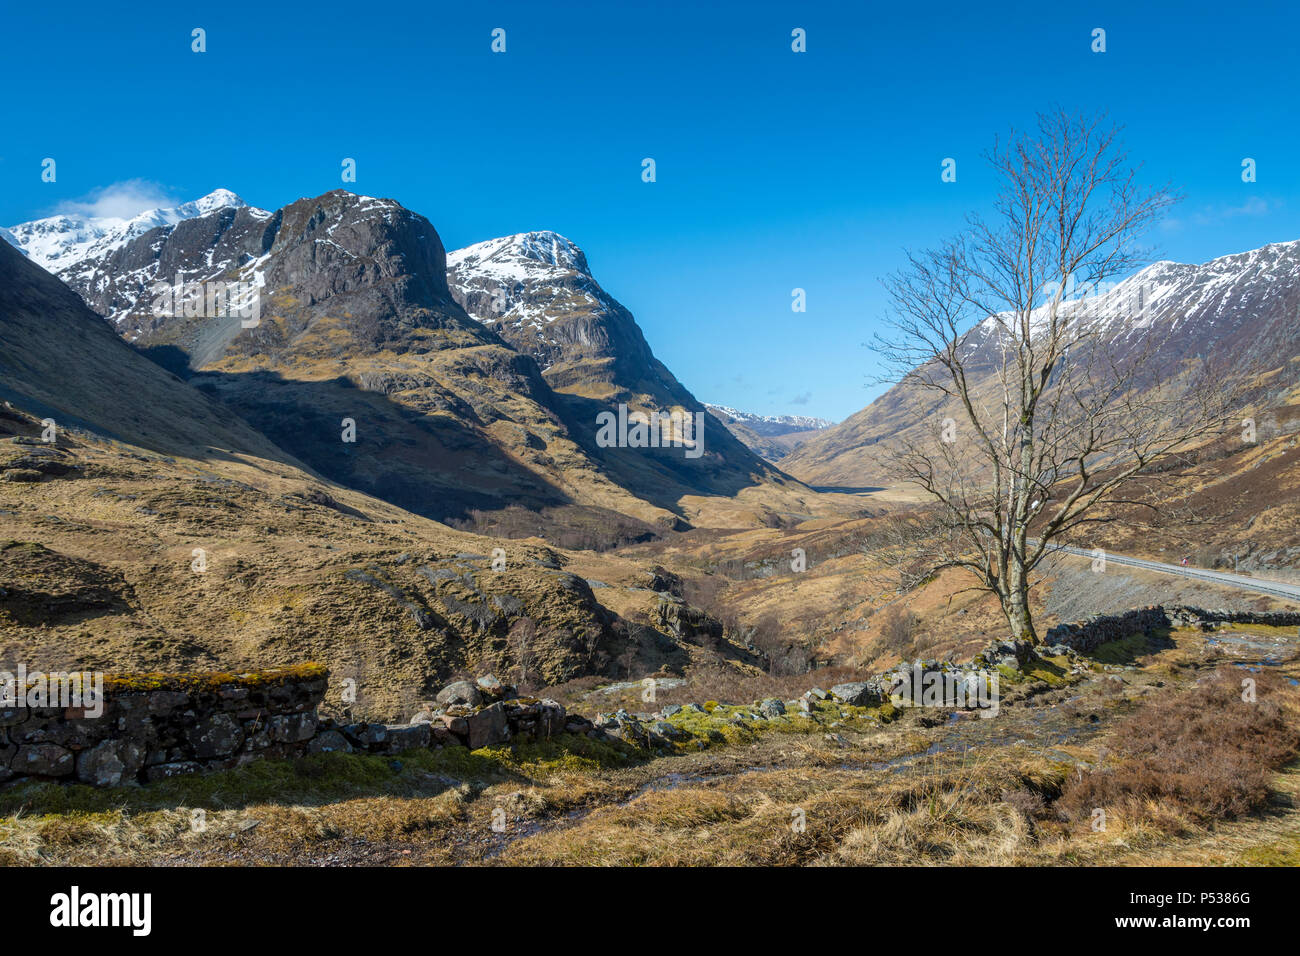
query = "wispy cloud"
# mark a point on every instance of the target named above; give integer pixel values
(803, 399)
(1214, 215)
(120, 200)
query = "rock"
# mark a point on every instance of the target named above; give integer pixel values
(575, 724)
(772, 708)
(551, 718)
(858, 693)
(460, 692)
(402, 737)
(488, 727)
(666, 730)
(216, 736)
(292, 728)
(816, 693)
(671, 709)
(365, 736)
(490, 686)
(109, 763)
(329, 741)
(454, 723)
(43, 760)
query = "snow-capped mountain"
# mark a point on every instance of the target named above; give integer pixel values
(523, 284)
(769, 424)
(1238, 311)
(355, 307)
(114, 262)
(771, 437)
(59, 244)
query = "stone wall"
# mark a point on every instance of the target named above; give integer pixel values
(1088, 634)
(150, 727)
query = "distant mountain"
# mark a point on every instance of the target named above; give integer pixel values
(1236, 310)
(771, 436)
(453, 415)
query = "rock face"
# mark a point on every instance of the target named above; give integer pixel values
(59, 357)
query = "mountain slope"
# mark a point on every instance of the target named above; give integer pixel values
(357, 324)
(1238, 310)
(100, 531)
(59, 360)
(537, 292)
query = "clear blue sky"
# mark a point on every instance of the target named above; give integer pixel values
(775, 169)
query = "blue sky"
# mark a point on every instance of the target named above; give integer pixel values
(776, 170)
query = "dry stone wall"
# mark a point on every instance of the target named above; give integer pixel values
(151, 727)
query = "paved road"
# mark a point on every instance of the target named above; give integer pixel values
(1290, 592)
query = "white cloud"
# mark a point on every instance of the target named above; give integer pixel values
(120, 200)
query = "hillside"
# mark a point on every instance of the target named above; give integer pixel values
(1234, 312)
(454, 418)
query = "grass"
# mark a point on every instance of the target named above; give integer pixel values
(1205, 754)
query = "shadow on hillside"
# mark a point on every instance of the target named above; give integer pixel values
(431, 465)
(847, 489)
(662, 476)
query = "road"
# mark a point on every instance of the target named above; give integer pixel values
(1289, 592)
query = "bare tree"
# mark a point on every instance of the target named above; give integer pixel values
(1008, 334)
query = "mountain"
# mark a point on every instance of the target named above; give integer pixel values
(452, 415)
(536, 291)
(61, 244)
(771, 436)
(101, 529)
(1239, 311)
(59, 360)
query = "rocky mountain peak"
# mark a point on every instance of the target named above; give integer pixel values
(518, 256)
(62, 243)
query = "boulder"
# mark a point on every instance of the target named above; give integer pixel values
(365, 736)
(407, 737)
(292, 728)
(488, 727)
(772, 708)
(858, 693)
(43, 760)
(110, 763)
(329, 741)
(460, 692)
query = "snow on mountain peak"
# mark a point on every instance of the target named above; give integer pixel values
(60, 242)
(520, 256)
(801, 422)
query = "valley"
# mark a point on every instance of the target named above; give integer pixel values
(418, 467)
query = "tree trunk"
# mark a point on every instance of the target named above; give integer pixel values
(1015, 604)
